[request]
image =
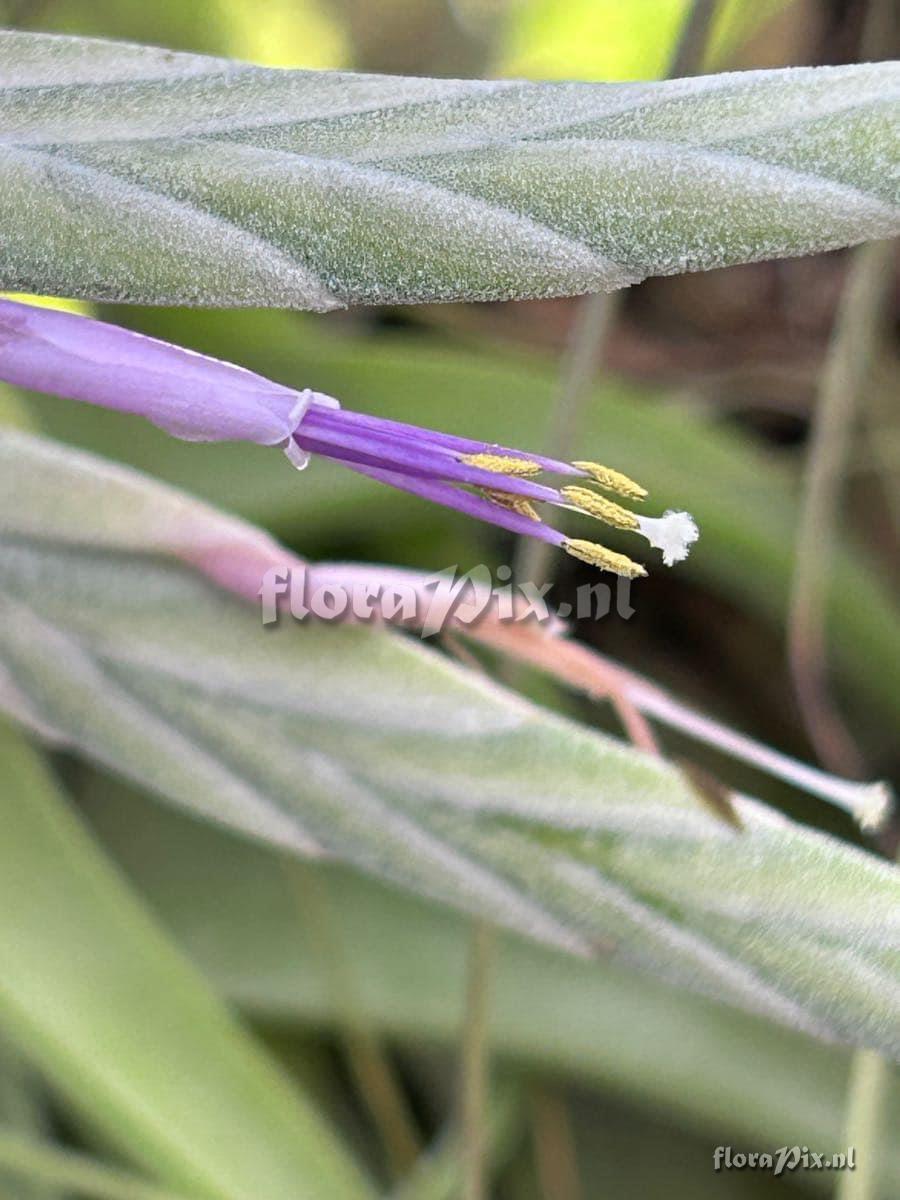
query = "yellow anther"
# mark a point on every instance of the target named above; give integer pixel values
(503, 464)
(517, 504)
(599, 507)
(613, 481)
(599, 556)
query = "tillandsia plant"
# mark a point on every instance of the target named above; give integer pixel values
(203, 399)
(655, 926)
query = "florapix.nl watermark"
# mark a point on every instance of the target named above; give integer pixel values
(429, 604)
(786, 1158)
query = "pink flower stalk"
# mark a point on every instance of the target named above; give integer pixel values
(198, 398)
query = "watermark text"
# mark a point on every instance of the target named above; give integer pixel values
(429, 605)
(786, 1158)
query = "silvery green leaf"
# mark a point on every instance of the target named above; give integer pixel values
(137, 174)
(698, 1064)
(354, 744)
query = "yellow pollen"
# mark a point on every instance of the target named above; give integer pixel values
(502, 464)
(517, 504)
(599, 556)
(612, 481)
(599, 507)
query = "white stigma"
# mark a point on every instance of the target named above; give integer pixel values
(673, 533)
(872, 806)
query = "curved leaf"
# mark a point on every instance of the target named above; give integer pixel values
(137, 174)
(357, 745)
(704, 1066)
(95, 995)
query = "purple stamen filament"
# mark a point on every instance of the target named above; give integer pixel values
(481, 480)
(465, 502)
(429, 464)
(403, 455)
(319, 417)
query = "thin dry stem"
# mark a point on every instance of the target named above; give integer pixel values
(691, 47)
(474, 1081)
(846, 370)
(867, 1096)
(555, 1152)
(366, 1060)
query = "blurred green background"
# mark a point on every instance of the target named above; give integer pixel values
(704, 393)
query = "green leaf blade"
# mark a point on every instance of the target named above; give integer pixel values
(377, 752)
(95, 996)
(166, 178)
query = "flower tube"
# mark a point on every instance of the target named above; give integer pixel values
(199, 398)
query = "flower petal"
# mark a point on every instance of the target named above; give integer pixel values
(189, 395)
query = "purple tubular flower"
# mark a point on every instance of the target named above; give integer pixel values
(191, 396)
(203, 399)
(492, 483)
